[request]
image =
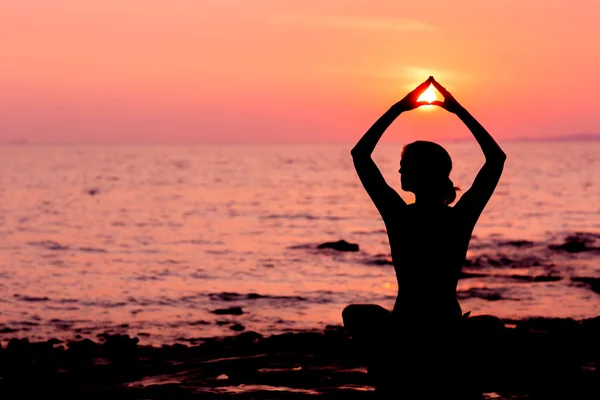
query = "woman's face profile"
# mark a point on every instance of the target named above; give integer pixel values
(406, 176)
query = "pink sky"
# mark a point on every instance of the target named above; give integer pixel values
(292, 70)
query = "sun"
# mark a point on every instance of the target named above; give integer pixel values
(428, 95)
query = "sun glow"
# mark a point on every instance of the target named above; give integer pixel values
(428, 95)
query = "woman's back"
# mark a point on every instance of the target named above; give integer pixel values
(428, 246)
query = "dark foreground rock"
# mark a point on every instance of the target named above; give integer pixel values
(535, 359)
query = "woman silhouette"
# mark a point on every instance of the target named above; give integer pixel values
(428, 239)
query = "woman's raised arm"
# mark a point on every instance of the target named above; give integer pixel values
(384, 197)
(475, 199)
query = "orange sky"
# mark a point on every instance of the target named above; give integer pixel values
(292, 70)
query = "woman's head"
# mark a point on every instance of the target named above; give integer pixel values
(425, 168)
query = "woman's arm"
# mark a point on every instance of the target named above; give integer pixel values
(475, 199)
(384, 197)
(369, 140)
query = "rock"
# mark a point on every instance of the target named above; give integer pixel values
(547, 278)
(577, 243)
(565, 327)
(539, 278)
(83, 349)
(120, 348)
(592, 283)
(482, 293)
(19, 350)
(340, 245)
(380, 260)
(249, 338)
(237, 327)
(229, 311)
(467, 275)
(18, 345)
(517, 243)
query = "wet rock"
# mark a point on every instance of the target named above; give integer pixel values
(556, 326)
(19, 350)
(229, 311)
(482, 293)
(539, 278)
(467, 275)
(340, 245)
(179, 347)
(518, 243)
(49, 245)
(194, 323)
(83, 350)
(42, 348)
(503, 261)
(18, 345)
(237, 327)
(547, 278)
(226, 296)
(380, 260)
(232, 296)
(256, 296)
(92, 250)
(249, 338)
(578, 242)
(487, 261)
(120, 348)
(31, 299)
(592, 283)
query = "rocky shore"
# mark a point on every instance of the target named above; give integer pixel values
(536, 358)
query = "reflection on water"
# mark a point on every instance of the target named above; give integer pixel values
(151, 240)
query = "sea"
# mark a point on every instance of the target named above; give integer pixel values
(173, 244)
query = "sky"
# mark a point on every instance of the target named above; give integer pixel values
(289, 71)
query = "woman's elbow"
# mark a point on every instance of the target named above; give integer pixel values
(356, 152)
(497, 157)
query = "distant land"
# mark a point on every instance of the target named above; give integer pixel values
(579, 137)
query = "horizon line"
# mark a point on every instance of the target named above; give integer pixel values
(23, 142)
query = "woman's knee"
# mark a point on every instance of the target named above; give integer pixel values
(365, 313)
(349, 314)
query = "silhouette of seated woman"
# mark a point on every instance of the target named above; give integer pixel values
(428, 239)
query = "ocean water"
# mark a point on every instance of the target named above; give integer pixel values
(150, 240)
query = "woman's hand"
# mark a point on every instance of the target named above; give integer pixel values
(449, 102)
(410, 101)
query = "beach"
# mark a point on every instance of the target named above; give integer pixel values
(540, 359)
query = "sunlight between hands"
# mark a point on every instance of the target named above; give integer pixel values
(410, 101)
